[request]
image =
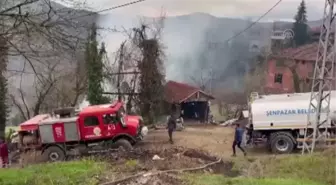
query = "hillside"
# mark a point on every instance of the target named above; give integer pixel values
(195, 31)
(196, 42)
(73, 21)
(54, 41)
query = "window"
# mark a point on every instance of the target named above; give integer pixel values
(91, 121)
(280, 63)
(278, 78)
(110, 119)
(307, 80)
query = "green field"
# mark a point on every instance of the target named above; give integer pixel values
(317, 169)
(201, 179)
(67, 173)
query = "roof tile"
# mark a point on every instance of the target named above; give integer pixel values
(306, 52)
(175, 92)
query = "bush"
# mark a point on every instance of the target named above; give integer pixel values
(204, 179)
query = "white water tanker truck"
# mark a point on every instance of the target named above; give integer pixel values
(281, 120)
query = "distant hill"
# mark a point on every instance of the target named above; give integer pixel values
(72, 24)
(63, 17)
(187, 36)
(184, 36)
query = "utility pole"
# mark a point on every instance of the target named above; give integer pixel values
(120, 73)
(322, 83)
(120, 68)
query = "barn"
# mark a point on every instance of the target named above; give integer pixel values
(192, 102)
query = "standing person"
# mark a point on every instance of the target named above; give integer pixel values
(172, 124)
(239, 132)
(4, 153)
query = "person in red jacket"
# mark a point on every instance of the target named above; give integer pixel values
(4, 153)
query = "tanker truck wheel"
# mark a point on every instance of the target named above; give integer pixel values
(53, 154)
(282, 142)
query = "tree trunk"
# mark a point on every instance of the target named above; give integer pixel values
(3, 86)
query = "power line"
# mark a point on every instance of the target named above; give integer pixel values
(111, 8)
(255, 22)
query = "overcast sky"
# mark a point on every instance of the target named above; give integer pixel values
(221, 8)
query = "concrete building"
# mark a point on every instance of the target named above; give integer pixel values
(293, 63)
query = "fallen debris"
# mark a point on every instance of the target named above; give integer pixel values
(156, 157)
(163, 166)
(149, 174)
(228, 122)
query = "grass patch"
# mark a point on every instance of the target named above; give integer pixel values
(65, 173)
(318, 167)
(8, 128)
(132, 163)
(207, 179)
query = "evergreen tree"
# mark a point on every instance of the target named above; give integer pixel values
(3, 87)
(300, 26)
(94, 67)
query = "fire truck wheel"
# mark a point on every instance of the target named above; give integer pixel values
(282, 142)
(123, 143)
(53, 154)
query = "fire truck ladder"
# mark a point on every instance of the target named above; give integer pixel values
(317, 125)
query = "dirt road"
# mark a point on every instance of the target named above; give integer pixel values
(214, 139)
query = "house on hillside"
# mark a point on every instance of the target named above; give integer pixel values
(192, 102)
(315, 33)
(291, 70)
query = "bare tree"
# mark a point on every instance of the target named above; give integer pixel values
(127, 69)
(149, 57)
(46, 38)
(255, 80)
(203, 79)
(122, 73)
(29, 106)
(56, 87)
(3, 87)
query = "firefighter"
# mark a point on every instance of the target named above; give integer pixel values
(171, 125)
(238, 138)
(4, 153)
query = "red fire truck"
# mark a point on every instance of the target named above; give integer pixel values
(95, 128)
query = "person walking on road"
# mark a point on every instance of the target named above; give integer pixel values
(238, 138)
(4, 153)
(171, 125)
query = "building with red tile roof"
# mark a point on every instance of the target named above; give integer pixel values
(280, 67)
(306, 52)
(176, 92)
(192, 101)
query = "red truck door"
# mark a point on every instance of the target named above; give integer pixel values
(92, 127)
(110, 122)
